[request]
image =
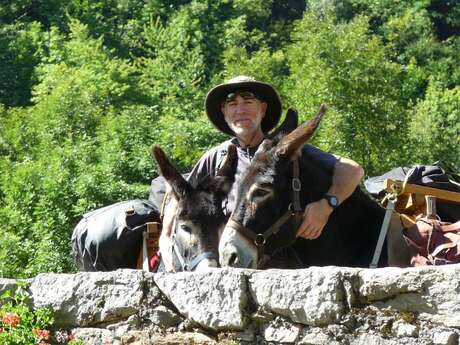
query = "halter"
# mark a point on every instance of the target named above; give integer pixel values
(294, 210)
(191, 264)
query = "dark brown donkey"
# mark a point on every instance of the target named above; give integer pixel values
(266, 215)
(199, 218)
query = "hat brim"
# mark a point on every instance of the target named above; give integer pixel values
(216, 96)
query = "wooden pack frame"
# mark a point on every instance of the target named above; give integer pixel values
(149, 246)
(415, 201)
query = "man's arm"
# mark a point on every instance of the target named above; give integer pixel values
(347, 176)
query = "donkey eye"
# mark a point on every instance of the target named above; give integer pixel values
(186, 228)
(260, 193)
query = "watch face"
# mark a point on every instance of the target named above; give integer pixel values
(332, 200)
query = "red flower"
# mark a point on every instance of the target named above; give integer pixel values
(11, 319)
(41, 334)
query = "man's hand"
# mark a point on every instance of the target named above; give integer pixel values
(315, 217)
(347, 176)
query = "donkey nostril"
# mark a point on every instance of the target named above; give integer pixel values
(233, 259)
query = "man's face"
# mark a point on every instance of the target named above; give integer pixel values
(243, 112)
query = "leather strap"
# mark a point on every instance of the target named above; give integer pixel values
(205, 255)
(296, 186)
(145, 254)
(294, 210)
(383, 232)
(191, 265)
(441, 247)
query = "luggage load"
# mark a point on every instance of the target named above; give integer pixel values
(432, 242)
(427, 201)
(412, 202)
(111, 237)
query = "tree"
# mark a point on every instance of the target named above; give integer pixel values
(54, 166)
(21, 49)
(435, 126)
(344, 65)
(89, 86)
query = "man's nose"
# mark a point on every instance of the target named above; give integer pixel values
(240, 108)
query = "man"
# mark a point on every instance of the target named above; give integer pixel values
(247, 110)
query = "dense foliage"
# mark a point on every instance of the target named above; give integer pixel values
(22, 325)
(86, 87)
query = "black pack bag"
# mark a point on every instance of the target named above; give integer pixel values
(158, 190)
(425, 175)
(111, 237)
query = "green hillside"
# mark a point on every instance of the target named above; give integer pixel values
(86, 87)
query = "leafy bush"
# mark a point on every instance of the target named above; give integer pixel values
(435, 126)
(345, 66)
(90, 86)
(21, 325)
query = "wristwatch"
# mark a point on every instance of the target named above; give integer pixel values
(331, 200)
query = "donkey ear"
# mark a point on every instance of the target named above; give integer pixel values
(179, 185)
(264, 147)
(223, 181)
(291, 143)
(228, 168)
(289, 124)
(222, 184)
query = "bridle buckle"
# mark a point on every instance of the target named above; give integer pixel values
(296, 184)
(260, 240)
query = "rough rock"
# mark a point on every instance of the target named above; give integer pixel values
(164, 317)
(214, 299)
(181, 339)
(403, 329)
(91, 335)
(281, 331)
(445, 338)
(329, 305)
(431, 292)
(316, 336)
(89, 299)
(315, 296)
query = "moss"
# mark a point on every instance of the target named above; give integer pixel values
(408, 316)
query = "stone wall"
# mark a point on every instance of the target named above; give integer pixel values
(327, 305)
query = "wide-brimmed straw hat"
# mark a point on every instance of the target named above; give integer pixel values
(264, 91)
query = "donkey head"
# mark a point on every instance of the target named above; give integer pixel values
(199, 216)
(264, 201)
